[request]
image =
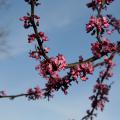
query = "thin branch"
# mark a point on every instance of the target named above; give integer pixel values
(91, 113)
(32, 3)
(13, 96)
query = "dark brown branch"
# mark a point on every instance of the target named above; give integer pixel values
(13, 96)
(91, 113)
(25, 94)
(36, 30)
(92, 59)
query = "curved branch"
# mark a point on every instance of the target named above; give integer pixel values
(32, 3)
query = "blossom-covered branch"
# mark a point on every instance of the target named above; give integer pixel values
(103, 51)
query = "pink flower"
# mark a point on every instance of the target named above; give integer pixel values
(34, 94)
(49, 67)
(105, 22)
(108, 61)
(27, 20)
(102, 2)
(107, 75)
(41, 34)
(46, 49)
(43, 37)
(34, 54)
(104, 47)
(31, 38)
(97, 24)
(82, 70)
(109, 32)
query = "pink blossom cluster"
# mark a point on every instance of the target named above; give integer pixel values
(52, 66)
(43, 36)
(109, 73)
(97, 24)
(32, 37)
(81, 71)
(35, 93)
(35, 54)
(101, 99)
(103, 47)
(103, 73)
(109, 61)
(27, 20)
(38, 53)
(54, 84)
(103, 88)
(99, 4)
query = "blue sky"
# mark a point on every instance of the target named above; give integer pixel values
(64, 23)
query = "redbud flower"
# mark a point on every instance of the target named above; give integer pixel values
(35, 93)
(81, 70)
(50, 67)
(104, 47)
(101, 4)
(97, 24)
(31, 38)
(43, 37)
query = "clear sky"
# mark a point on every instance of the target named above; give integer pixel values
(64, 23)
